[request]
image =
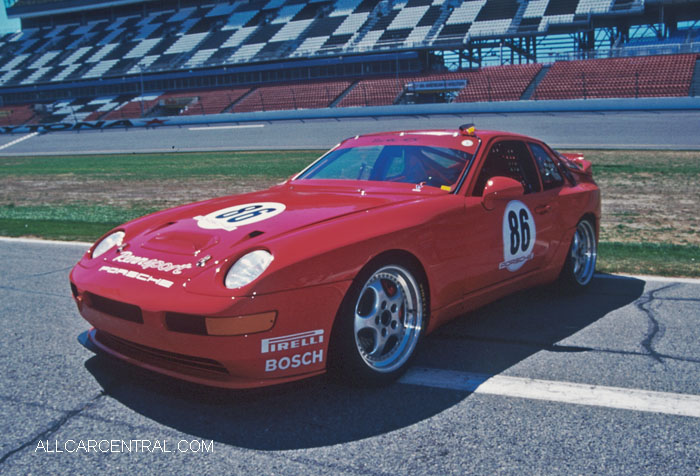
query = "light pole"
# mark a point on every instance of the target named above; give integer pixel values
(141, 67)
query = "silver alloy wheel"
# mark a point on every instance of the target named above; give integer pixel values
(583, 253)
(388, 318)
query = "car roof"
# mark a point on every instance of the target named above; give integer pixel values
(448, 134)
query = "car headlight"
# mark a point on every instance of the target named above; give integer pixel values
(114, 239)
(248, 269)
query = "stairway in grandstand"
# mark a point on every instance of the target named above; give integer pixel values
(337, 100)
(695, 83)
(439, 14)
(535, 82)
(519, 14)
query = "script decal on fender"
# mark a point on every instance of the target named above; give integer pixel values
(128, 257)
(231, 218)
(519, 234)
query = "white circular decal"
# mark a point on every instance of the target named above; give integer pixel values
(519, 236)
(231, 218)
(467, 143)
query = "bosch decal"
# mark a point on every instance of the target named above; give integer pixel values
(295, 361)
(231, 218)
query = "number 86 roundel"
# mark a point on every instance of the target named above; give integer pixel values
(519, 234)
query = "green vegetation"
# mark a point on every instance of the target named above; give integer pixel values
(162, 166)
(65, 222)
(649, 258)
(650, 223)
(643, 162)
(54, 229)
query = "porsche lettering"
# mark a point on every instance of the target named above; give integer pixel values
(136, 275)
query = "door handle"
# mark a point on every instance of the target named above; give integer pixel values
(542, 209)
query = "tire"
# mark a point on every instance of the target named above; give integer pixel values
(379, 325)
(579, 266)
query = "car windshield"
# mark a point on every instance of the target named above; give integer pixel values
(435, 166)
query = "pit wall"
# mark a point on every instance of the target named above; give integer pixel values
(579, 105)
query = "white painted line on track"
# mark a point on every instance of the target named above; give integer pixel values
(38, 241)
(562, 392)
(642, 277)
(219, 128)
(632, 146)
(17, 141)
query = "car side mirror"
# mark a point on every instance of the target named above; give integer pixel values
(500, 188)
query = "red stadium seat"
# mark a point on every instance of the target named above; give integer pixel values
(645, 76)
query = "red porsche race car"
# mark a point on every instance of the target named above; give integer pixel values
(346, 265)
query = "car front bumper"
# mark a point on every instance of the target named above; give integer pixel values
(295, 347)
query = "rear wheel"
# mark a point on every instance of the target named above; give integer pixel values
(581, 260)
(380, 324)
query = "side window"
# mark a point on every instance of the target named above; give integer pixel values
(508, 159)
(551, 178)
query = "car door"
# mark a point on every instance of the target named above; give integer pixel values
(552, 182)
(514, 237)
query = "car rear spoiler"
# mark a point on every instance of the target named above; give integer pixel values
(576, 163)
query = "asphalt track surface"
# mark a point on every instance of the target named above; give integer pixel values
(608, 130)
(537, 383)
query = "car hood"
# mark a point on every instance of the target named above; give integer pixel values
(185, 240)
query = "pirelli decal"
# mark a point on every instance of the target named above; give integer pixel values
(292, 341)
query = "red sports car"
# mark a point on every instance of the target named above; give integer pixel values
(344, 266)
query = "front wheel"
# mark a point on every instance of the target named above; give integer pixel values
(380, 324)
(581, 260)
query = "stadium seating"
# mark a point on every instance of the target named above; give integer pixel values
(617, 77)
(292, 96)
(498, 83)
(202, 102)
(649, 76)
(99, 107)
(16, 115)
(132, 107)
(184, 103)
(236, 32)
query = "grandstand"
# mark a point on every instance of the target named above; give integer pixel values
(76, 60)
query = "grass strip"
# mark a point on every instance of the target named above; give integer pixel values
(649, 258)
(65, 222)
(54, 230)
(74, 213)
(163, 166)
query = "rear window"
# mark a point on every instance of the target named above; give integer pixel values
(549, 172)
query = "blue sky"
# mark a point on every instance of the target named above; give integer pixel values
(6, 25)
